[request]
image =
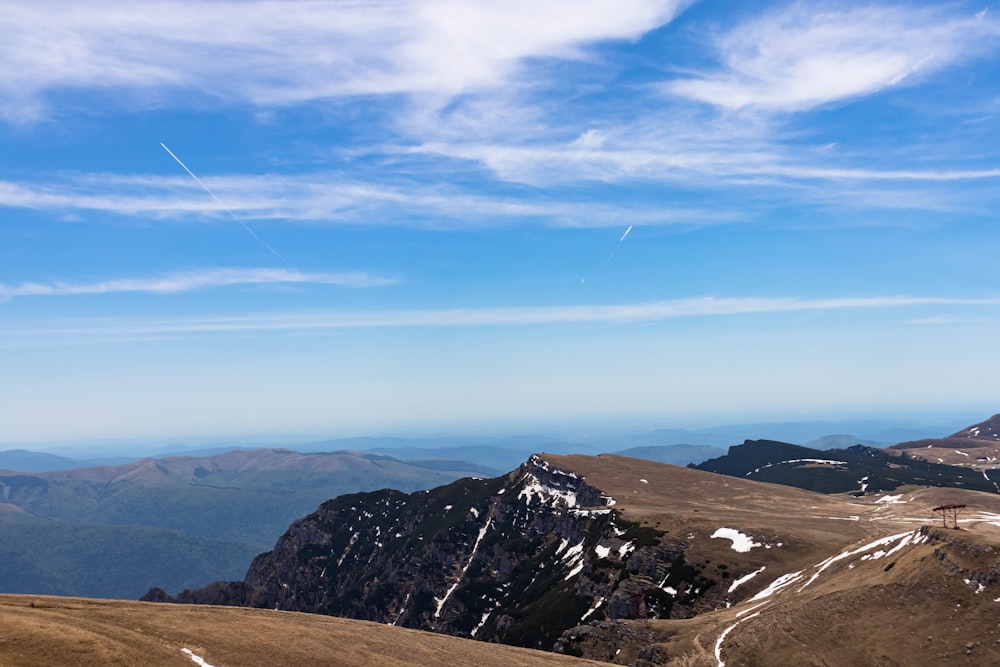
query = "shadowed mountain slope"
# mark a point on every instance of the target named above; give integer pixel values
(857, 469)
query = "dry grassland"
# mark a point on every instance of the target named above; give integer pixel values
(74, 631)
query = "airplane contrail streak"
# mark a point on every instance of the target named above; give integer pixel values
(625, 234)
(219, 202)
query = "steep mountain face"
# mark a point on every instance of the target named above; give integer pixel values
(976, 446)
(517, 559)
(857, 469)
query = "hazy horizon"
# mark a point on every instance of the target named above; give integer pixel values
(595, 433)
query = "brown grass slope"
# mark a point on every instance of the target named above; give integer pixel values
(933, 600)
(974, 446)
(76, 631)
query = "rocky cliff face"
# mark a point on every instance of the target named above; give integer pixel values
(518, 559)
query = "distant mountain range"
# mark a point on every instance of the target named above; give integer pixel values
(185, 520)
(864, 431)
(110, 531)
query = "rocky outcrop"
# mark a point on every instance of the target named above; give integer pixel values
(518, 559)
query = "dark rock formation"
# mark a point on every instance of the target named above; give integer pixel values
(518, 559)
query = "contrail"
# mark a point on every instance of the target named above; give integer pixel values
(615, 249)
(219, 202)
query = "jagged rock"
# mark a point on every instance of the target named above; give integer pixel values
(518, 559)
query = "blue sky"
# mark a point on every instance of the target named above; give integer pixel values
(444, 215)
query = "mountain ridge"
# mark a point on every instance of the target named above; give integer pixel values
(611, 558)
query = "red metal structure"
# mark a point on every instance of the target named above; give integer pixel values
(947, 511)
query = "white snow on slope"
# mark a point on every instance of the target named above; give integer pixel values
(547, 494)
(722, 638)
(781, 582)
(196, 659)
(892, 500)
(475, 547)
(779, 463)
(741, 542)
(986, 517)
(590, 611)
(574, 559)
(486, 617)
(786, 580)
(745, 578)
(912, 536)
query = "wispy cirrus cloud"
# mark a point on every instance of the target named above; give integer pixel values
(668, 161)
(275, 53)
(329, 198)
(82, 331)
(174, 283)
(803, 56)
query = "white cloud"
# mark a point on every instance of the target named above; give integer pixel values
(316, 321)
(323, 197)
(670, 161)
(185, 282)
(273, 53)
(800, 57)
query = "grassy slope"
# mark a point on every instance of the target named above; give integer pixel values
(68, 631)
(859, 612)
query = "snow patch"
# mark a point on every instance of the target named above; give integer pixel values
(779, 463)
(741, 542)
(546, 494)
(744, 579)
(196, 659)
(909, 537)
(590, 611)
(475, 547)
(482, 622)
(891, 500)
(601, 551)
(575, 571)
(722, 638)
(781, 582)
(644, 481)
